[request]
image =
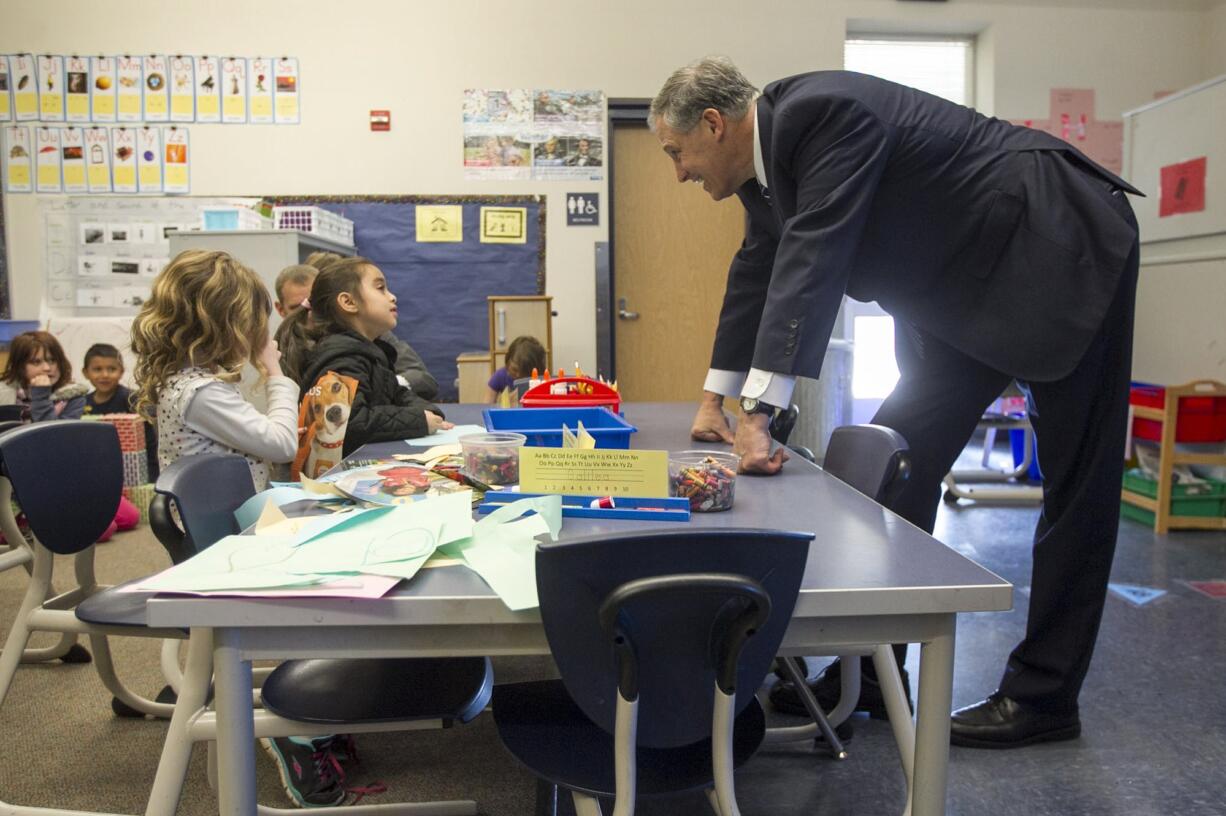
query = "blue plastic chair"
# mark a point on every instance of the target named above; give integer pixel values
(67, 477)
(660, 640)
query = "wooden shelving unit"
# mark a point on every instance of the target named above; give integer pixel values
(1169, 457)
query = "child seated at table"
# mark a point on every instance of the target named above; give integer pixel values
(104, 369)
(524, 355)
(40, 371)
(339, 330)
(206, 318)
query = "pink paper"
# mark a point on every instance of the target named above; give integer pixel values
(359, 586)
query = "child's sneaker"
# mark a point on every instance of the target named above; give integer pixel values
(309, 772)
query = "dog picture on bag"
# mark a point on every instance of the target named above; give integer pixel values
(324, 414)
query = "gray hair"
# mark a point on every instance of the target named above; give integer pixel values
(711, 82)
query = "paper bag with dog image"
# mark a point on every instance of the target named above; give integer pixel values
(324, 414)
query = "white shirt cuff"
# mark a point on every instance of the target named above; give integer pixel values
(723, 382)
(769, 387)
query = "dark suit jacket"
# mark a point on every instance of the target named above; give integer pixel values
(997, 239)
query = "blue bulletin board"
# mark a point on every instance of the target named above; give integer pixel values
(441, 288)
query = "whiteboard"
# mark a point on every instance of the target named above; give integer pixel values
(1178, 128)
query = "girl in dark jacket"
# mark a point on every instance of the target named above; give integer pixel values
(349, 308)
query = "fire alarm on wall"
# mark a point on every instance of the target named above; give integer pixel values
(380, 120)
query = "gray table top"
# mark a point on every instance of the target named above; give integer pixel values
(863, 561)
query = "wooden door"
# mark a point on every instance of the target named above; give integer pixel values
(672, 246)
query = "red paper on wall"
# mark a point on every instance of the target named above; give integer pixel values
(1183, 188)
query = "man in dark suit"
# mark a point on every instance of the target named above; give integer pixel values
(1002, 253)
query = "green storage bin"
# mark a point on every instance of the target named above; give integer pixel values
(1208, 499)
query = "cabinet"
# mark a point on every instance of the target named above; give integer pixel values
(1169, 456)
(515, 315)
(473, 375)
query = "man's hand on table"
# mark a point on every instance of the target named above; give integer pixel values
(710, 424)
(753, 443)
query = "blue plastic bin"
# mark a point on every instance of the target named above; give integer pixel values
(543, 426)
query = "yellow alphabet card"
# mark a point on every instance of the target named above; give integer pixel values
(601, 472)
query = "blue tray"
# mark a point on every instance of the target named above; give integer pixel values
(580, 506)
(543, 426)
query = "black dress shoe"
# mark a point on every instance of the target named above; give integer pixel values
(827, 687)
(1002, 722)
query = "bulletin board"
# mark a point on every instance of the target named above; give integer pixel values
(1168, 139)
(441, 284)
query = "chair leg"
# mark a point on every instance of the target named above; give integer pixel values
(106, 671)
(818, 716)
(585, 805)
(722, 717)
(546, 798)
(19, 634)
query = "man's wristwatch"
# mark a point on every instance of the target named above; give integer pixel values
(752, 405)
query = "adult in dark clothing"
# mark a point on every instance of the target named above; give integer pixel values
(1002, 252)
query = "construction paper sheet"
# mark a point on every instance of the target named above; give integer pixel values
(448, 437)
(1182, 187)
(502, 549)
(353, 586)
(279, 496)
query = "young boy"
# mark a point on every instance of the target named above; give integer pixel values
(104, 369)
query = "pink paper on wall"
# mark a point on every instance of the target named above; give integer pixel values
(1182, 187)
(1072, 119)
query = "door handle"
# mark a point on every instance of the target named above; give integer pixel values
(623, 312)
(502, 326)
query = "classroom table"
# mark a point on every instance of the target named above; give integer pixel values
(871, 578)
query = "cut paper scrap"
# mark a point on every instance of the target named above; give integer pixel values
(430, 454)
(318, 488)
(502, 549)
(301, 529)
(579, 439)
(279, 496)
(447, 437)
(236, 562)
(1136, 595)
(355, 586)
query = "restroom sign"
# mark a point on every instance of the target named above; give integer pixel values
(582, 209)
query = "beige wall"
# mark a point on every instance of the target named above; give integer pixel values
(1214, 41)
(416, 58)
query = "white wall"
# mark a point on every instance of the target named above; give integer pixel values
(1214, 40)
(416, 58)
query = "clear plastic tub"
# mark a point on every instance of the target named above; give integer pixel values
(492, 458)
(706, 477)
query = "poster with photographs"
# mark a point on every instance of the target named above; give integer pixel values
(18, 150)
(21, 76)
(72, 148)
(76, 89)
(47, 143)
(98, 160)
(50, 87)
(233, 90)
(128, 91)
(182, 89)
(102, 89)
(285, 91)
(534, 134)
(6, 103)
(156, 93)
(101, 253)
(259, 90)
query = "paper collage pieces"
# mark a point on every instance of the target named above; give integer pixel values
(365, 551)
(533, 134)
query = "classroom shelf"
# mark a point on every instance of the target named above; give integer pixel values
(1168, 457)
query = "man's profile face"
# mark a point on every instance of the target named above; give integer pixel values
(702, 154)
(293, 294)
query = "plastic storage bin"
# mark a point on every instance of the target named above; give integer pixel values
(1208, 499)
(1199, 419)
(316, 221)
(543, 426)
(706, 478)
(598, 395)
(232, 218)
(492, 458)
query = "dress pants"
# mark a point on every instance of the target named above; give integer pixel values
(1079, 423)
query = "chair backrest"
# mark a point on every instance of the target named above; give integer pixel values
(873, 459)
(783, 423)
(676, 626)
(67, 476)
(206, 489)
(10, 413)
